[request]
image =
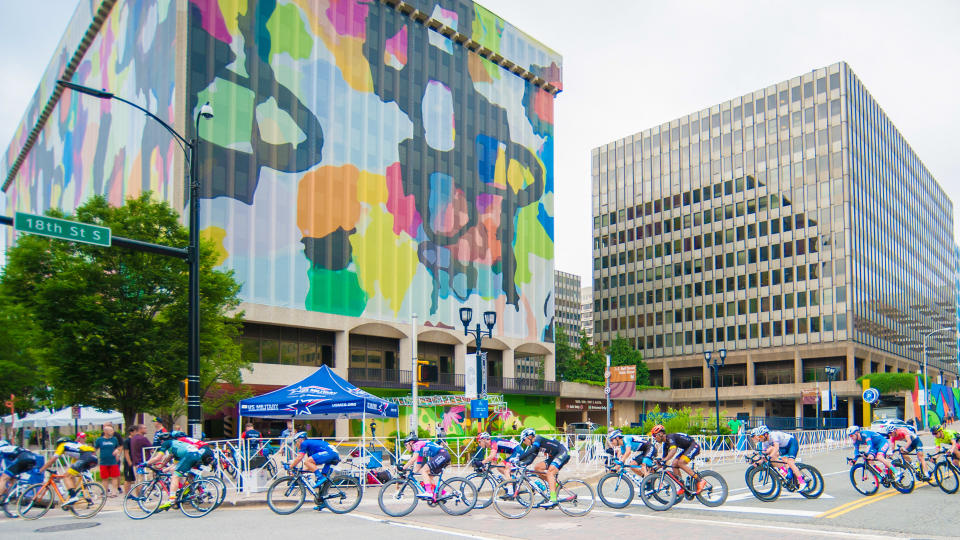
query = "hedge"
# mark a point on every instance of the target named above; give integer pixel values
(886, 383)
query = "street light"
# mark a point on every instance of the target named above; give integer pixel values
(831, 374)
(926, 389)
(190, 150)
(715, 365)
(489, 319)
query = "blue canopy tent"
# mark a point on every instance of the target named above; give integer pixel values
(323, 395)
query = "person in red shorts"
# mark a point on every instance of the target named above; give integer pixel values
(110, 449)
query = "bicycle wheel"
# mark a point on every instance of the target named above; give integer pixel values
(35, 501)
(342, 494)
(286, 495)
(221, 489)
(658, 492)
(763, 483)
(903, 479)
(864, 479)
(513, 499)
(457, 496)
(811, 475)
(486, 486)
(575, 497)
(142, 500)
(92, 499)
(398, 497)
(715, 492)
(10, 498)
(615, 490)
(947, 477)
(200, 500)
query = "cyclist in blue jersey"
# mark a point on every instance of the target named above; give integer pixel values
(633, 451)
(878, 446)
(16, 460)
(427, 458)
(314, 453)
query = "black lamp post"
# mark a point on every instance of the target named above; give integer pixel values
(715, 364)
(831, 374)
(190, 148)
(489, 319)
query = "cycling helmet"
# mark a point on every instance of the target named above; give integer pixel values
(62, 440)
(615, 434)
(207, 458)
(161, 436)
(177, 434)
(853, 430)
(658, 429)
(936, 428)
(483, 436)
(759, 431)
(300, 435)
(411, 438)
(529, 432)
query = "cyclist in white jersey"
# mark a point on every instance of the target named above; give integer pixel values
(781, 446)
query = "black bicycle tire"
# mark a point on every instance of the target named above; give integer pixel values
(952, 471)
(190, 499)
(484, 478)
(286, 479)
(621, 479)
(338, 482)
(647, 492)
(519, 486)
(12, 495)
(468, 502)
(900, 480)
(866, 470)
(722, 483)
(139, 487)
(567, 511)
(768, 496)
(36, 488)
(383, 489)
(817, 490)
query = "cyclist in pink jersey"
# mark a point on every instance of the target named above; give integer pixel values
(427, 458)
(914, 444)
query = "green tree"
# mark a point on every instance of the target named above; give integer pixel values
(113, 321)
(19, 353)
(566, 356)
(591, 360)
(622, 353)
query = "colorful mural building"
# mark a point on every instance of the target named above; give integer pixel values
(371, 168)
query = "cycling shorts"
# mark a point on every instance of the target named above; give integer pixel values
(326, 456)
(438, 461)
(690, 453)
(84, 463)
(916, 445)
(881, 448)
(558, 460)
(642, 460)
(24, 462)
(188, 462)
(791, 450)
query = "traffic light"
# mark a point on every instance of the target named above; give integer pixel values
(183, 389)
(425, 371)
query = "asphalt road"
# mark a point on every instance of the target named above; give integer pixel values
(840, 512)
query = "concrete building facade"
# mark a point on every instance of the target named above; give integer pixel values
(586, 312)
(567, 305)
(792, 226)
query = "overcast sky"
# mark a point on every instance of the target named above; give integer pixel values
(630, 65)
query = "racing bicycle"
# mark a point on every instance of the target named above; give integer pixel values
(339, 493)
(617, 488)
(867, 477)
(398, 497)
(196, 498)
(37, 499)
(660, 489)
(514, 499)
(766, 480)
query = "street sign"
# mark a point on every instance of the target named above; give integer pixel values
(606, 390)
(62, 229)
(479, 409)
(871, 395)
(75, 412)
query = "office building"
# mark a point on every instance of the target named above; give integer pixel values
(793, 226)
(586, 312)
(367, 163)
(567, 305)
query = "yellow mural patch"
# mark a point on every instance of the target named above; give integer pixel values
(372, 188)
(216, 235)
(500, 170)
(518, 176)
(384, 258)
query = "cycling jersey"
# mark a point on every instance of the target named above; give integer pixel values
(426, 449)
(641, 450)
(947, 437)
(901, 434)
(876, 442)
(73, 449)
(177, 449)
(18, 460)
(196, 443)
(503, 446)
(9, 452)
(551, 447)
(677, 440)
(314, 446)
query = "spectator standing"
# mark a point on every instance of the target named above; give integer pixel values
(288, 432)
(138, 441)
(249, 432)
(129, 471)
(110, 448)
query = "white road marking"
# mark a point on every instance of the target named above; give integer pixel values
(750, 510)
(439, 530)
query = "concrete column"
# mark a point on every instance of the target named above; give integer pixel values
(851, 413)
(460, 358)
(404, 354)
(797, 368)
(851, 365)
(510, 365)
(341, 353)
(549, 368)
(707, 376)
(750, 374)
(666, 375)
(798, 407)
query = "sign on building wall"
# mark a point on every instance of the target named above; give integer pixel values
(581, 404)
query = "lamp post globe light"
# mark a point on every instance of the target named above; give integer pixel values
(490, 320)
(926, 388)
(190, 149)
(715, 363)
(831, 372)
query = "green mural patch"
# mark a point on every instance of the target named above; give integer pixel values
(531, 240)
(234, 128)
(288, 34)
(487, 30)
(335, 292)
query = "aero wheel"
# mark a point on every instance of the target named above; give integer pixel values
(457, 496)
(811, 475)
(575, 497)
(342, 494)
(903, 479)
(200, 500)
(286, 495)
(513, 499)
(142, 500)
(615, 490)
(10, 498)
(947, 477)
(35, 501)
(864, 479)
(714, 492)
(763, 483)
(398, 497)
(92, 499)
(658, 492)
(485, 485)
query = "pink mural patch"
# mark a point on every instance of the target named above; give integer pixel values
(212, 19)
(396, 47)
(349, 17)
(403, 207)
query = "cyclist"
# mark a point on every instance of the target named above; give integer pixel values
(949, 438)
(779, 446)
(914, 444)
(878, 445)
(632, 451)
(427, 458)
(205, 449)
(314, 453)
(84, 458)
(187, 457)
(509, 448)
(557, 457)
(685, 448)
(17, 460)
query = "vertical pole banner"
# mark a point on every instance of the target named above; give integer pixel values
(471, 385)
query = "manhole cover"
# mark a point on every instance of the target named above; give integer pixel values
(68, 527)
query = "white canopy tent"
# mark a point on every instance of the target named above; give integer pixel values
(32, 419)
(88, 415)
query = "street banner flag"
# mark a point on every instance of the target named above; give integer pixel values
(623, 382)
